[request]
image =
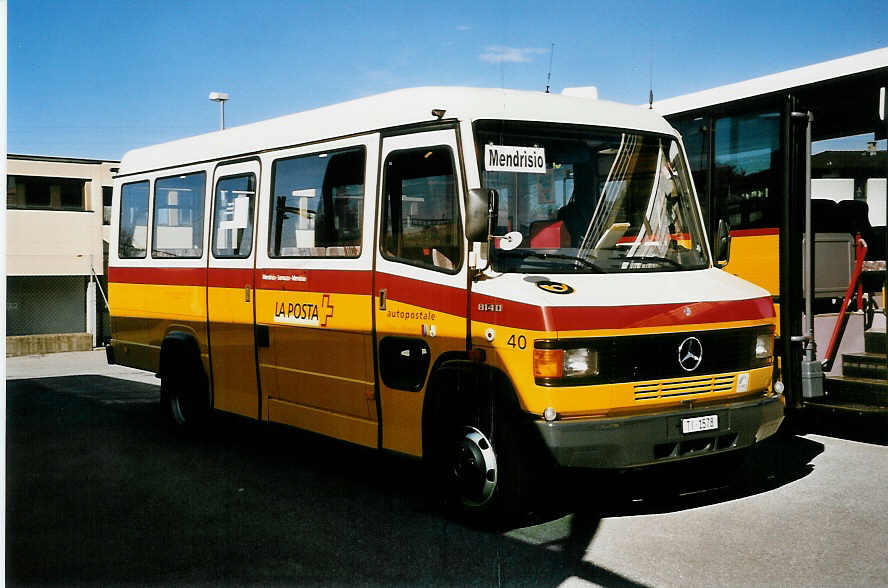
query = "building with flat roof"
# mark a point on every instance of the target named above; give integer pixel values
(58, 221)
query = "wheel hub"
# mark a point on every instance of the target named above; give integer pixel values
(474, 467)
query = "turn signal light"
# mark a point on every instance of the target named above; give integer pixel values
(548, 363)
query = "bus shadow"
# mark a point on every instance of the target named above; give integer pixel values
(779, 460)
(100, 490)
(864, 428)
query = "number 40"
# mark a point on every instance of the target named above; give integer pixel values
(520, 342)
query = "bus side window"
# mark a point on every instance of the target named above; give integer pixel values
(133, 239)
(233, 216)
(178, 216)
(318, 205)
(421, 224)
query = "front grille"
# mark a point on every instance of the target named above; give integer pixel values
(683, 387)
(638, 358)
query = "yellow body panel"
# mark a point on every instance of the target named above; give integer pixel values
(232, 351)
(354, 430)
(318, 366)
(401, 409)
(756, 258)
(506, 353)
(143, 314)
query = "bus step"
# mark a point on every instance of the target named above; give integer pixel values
(854, 390)
(876, 341)
(865, 365)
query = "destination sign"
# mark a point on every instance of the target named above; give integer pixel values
(505, 158)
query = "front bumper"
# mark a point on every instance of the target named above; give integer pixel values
(643, 440)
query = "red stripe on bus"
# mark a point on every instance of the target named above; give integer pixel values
(163, 276)
(574, 318)
(658, 315)
(755, 232)
(229, 277)
(327, 281)
(424, 294)
(519, 315)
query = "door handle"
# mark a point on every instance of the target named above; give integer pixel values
(382, 299)
(247, 293)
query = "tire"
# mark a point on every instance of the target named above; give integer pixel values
(183, 394)
(482, 459)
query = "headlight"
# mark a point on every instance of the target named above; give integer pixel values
(565, 363)
(580, 363)
(764, 345)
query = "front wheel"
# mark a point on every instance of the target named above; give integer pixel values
(474, 473)
(484, 464)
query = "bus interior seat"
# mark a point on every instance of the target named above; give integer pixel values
(823, 215)
(548, 234)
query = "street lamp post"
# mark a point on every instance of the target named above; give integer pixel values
(220, 97)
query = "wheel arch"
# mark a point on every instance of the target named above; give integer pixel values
(178, 348)
(457, 382)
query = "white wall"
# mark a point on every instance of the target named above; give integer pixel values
(875, 199)
(52, 243)
(833, 188)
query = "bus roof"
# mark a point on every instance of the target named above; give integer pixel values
(389, 110)
(854, 65)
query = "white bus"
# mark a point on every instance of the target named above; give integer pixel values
(489, 279)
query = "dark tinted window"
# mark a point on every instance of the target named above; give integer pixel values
(233, 216)
(178, 216)
(420, 222)
(317, 205)
(746, 171)
(133, 236)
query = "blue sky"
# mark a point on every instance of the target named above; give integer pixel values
(94, 79)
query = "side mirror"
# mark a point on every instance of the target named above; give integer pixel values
(723, 244)
(480, 211)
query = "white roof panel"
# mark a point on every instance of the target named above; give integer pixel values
(794, 78)
(392, 109)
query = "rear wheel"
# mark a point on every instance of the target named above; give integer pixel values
(183, 393)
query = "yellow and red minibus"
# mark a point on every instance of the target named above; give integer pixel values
(485, 278)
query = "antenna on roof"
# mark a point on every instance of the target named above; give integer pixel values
(549, 73)
(651, 86)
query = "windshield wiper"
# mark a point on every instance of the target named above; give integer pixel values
(651, 258)
(523, 254)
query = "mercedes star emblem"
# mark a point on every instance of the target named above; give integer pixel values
(690, 354)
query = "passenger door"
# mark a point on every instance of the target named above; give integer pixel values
(313, 310)
(420, 280)
(231, 288)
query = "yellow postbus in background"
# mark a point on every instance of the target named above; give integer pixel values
(489, 279)
(761, 152)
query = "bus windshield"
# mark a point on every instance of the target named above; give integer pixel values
(589, 200)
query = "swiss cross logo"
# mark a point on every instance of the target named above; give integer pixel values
(326, 310)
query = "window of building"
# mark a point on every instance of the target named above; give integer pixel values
(420, 223)
(178, 216)
(133, 239)
(233, 216)
(317, 205)
(45, 193)
(107, 191)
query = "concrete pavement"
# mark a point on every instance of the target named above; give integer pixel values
(99, 491)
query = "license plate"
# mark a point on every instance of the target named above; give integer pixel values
(697, 424)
